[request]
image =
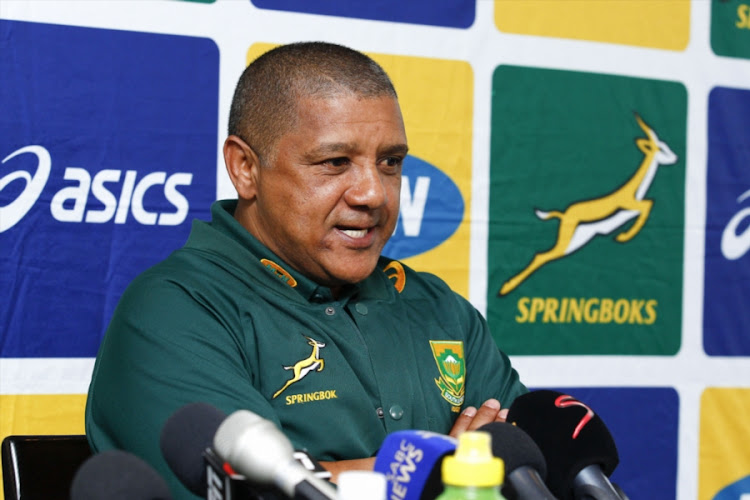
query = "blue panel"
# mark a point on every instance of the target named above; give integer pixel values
(108, 150)
(726, 315)
(450, 13)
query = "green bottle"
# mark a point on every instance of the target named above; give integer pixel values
(473, 473)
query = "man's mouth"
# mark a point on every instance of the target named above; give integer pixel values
(355, 233)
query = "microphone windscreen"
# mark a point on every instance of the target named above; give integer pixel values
(184, 438)
(411, 462)
(253, 446)
(117, 475)
(570, 435)
(515, 448)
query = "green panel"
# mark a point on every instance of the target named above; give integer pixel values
(730, 28)
(566, 141)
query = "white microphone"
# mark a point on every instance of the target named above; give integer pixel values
(257, 449)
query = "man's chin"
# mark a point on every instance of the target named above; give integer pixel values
(351, 275)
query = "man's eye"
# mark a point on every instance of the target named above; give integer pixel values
(337, 162)
(394, 161)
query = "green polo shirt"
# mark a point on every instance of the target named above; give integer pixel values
(224, 321)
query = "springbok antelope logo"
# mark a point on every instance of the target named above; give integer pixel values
(583, 220)
(304, 366)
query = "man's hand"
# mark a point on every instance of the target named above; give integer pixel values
(472, 419)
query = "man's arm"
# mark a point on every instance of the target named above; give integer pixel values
(335, 468)
(470, 419)
(489, 372)
(164, 349)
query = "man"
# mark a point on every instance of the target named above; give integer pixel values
(283, 304)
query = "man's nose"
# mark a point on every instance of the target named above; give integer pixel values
(368, 188)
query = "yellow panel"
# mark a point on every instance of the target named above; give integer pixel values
(436, 98)
(724, 438)
(661, 24)
(41, 414)
(256, 50)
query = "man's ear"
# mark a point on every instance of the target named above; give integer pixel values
(242, 166)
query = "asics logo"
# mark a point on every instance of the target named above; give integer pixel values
(734, 245)
(14, 212)
(70, 204)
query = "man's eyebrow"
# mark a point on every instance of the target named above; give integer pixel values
(395, 149)
(326, 149)
(332, 148)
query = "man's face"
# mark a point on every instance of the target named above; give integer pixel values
(329, 200)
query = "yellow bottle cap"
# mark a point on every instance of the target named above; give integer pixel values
(473, 463)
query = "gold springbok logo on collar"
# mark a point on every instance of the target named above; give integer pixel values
(583, 220)
(304, 366)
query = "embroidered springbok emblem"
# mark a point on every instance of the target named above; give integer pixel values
(305, 366)
(583, 220)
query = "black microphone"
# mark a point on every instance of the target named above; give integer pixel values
(186, 443)
(577, 446)
(525, 468)
(257, 449)
(117, 475)
(186, 434)
(411, 462)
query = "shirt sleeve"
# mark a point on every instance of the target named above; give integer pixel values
(166, 346)
(489, 372)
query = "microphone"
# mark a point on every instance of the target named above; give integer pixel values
(185, 436)
(411, 462)
(577, 446)
(620, 492)
(257, 449)
(525, 468)
(117, 475)
(186, 441)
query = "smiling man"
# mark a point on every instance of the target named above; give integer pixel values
(327, 200)
(283, 303)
